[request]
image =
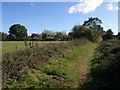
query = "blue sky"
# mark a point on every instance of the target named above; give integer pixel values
(56, 16)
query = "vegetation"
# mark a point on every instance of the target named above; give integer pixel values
(13, 46)
(17, 32)
(91, 29)
(49, 63)
(104, 71)
(108, 35)
(43, 61)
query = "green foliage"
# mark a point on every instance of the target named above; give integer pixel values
(108, 34)
(97, 29)
(89, 33)
(105, 67)
(3, 36)
(118, 35)
(92, 22)
(91, 29)
(82, 32)
(59, 35)
(19, 31)
(12, 46)
(17, 75)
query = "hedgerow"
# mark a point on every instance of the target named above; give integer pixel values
(14, 64)
(105, 68)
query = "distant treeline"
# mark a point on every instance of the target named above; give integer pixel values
(90, 29)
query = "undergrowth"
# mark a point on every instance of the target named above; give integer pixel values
(31, 68)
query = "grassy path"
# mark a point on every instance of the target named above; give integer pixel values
(66, 71)
(79, 66)
(74, 65)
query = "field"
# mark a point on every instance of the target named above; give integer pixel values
(74, 64)
(65, 71)
(11, 46)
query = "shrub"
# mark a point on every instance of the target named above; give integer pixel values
(105, 68)
(13, 64)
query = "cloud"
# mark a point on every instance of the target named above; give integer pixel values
(85, 6)
(32, 4)
(110, 7)
(111, 0)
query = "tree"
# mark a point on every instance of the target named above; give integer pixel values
(118, 35)
(33, 35)
(80, 31)
(19, 31)
(97, 29)
(59, 35)
(70, 35)
(3, 36)
(0, 36)
(45, 34)
(108, 34)
(92, 22)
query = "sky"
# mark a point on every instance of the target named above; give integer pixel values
(58, 16)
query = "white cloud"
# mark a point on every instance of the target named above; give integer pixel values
(32, 4)
(111, 0)
(110, 7)
(85, 6)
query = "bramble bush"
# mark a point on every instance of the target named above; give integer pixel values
(14, 64)
(105, 68)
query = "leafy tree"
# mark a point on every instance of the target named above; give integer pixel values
(108, 34)
(118, 35)
(45, 34)
(70, 35)
(97, 29)
(3, 36)
(78, 31)
(19, 31)
(59, 35)
(0, 36)
(82, 32)
(92, 22)
(33, 35)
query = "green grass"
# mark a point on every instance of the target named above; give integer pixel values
(11, 46)
(66, 71)
(72, 67)
(79, 65)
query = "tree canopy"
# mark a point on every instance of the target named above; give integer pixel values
(3, 36)
(108, 34)
(19, 31)
(93, 23)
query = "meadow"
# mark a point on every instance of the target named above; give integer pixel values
(12, 46)
(75, 64)
(53, 65)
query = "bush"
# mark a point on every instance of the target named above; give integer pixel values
(13, 64)
(105, 68)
